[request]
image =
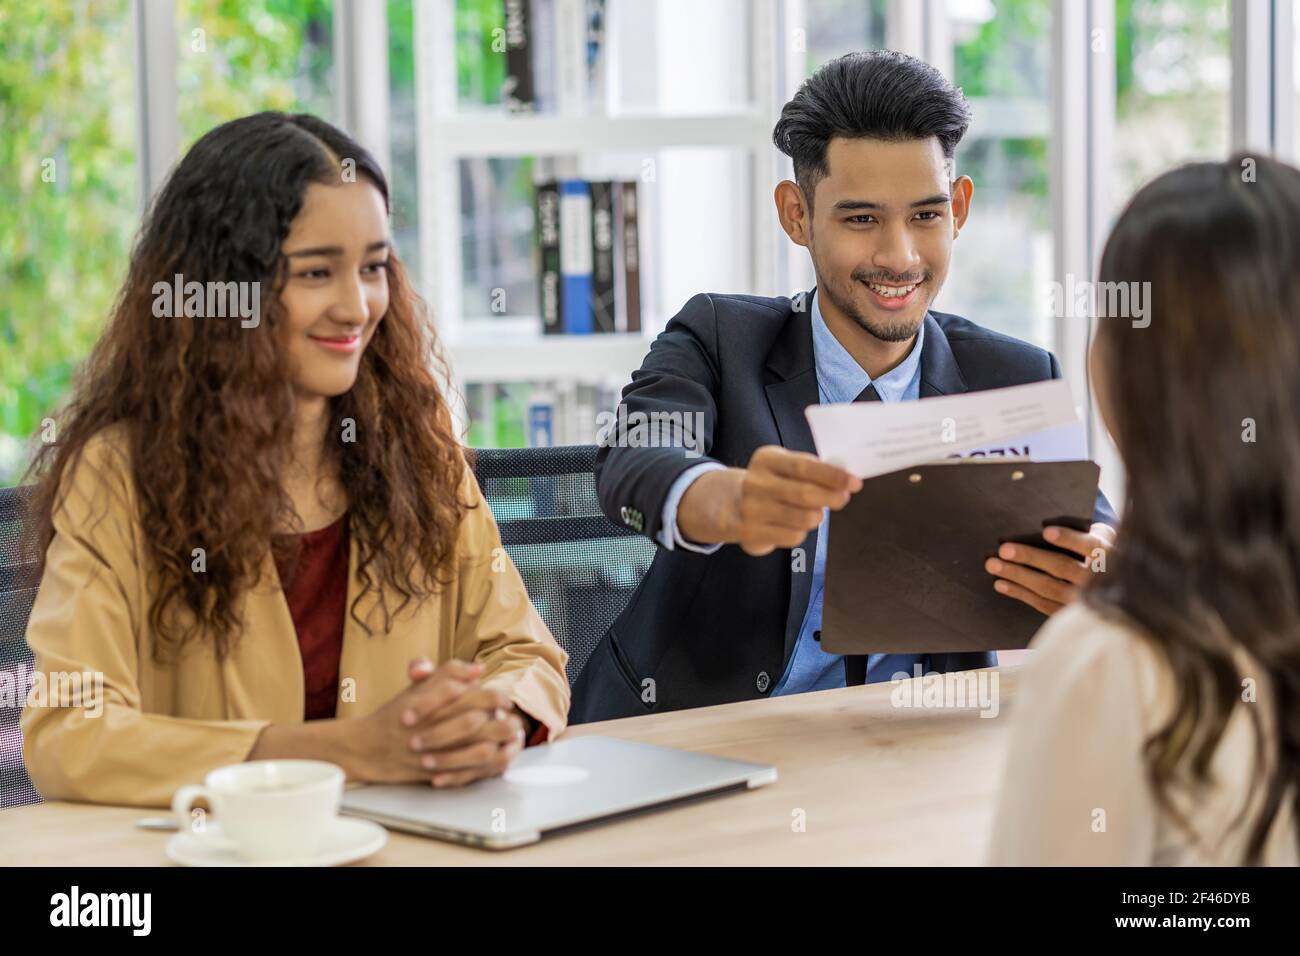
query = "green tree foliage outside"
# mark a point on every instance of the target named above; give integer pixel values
(67, 141)
(237, 57)
(67, 214)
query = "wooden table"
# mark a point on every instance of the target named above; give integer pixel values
(873, 783)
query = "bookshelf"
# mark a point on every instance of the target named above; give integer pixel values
(511, 347)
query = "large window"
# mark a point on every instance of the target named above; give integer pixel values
(835, 27)
(404, 171)
(1003, 259)
(1173, 73)
(236, 59)
(67, 145)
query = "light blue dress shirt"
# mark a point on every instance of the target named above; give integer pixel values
(839, 379)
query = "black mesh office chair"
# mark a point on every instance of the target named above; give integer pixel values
(17, 592)
(578, 566)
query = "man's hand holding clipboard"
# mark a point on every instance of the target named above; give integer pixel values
(904, 561)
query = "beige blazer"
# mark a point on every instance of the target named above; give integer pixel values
(163, 726)
(1076, 790)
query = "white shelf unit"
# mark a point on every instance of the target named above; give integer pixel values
(526, 135)
(531, 357)
(512, 347)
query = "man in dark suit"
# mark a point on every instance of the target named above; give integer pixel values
(711, 455)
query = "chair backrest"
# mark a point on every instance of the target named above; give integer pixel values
(17, 592)
(579, 567)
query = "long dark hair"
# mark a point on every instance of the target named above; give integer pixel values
(207, 406)
(1204, 405)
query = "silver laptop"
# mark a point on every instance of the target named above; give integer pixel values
(551, 787)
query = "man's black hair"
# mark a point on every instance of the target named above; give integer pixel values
(883, 95)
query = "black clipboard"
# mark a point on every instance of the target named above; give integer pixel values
(905, 557)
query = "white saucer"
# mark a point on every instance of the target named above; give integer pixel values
(348, 840)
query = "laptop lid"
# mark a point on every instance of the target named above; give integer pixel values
(553, 786)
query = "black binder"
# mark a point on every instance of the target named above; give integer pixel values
(905, 557)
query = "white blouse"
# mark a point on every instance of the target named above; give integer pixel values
(1076, 789)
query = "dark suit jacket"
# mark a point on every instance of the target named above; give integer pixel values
(710, 629)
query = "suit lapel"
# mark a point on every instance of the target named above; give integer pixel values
(791, 388)
(939, 372)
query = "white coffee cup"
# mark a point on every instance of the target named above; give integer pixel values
(269, 809)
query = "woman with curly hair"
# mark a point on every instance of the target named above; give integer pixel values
(260, 528)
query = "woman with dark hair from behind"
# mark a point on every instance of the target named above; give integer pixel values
(1159, 721)
(259, 528)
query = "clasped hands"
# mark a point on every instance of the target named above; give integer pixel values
(444, 728)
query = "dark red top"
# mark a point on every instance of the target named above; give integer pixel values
(316, 589)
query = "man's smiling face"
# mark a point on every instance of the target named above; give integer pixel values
(884, 219)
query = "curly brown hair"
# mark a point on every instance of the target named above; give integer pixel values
(208, 407)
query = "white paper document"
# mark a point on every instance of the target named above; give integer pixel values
(1034, 421)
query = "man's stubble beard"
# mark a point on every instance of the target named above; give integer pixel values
(896, 331)
(899, 331)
